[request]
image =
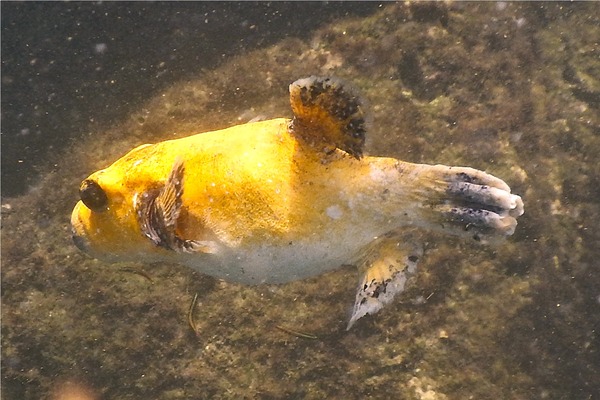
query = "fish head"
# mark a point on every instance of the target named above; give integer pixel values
(104, 221)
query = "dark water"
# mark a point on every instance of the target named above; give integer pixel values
(69, 67)
(511, 88)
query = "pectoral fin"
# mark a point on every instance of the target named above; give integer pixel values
(158, 211)
(385, 268)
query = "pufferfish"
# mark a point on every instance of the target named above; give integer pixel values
(286, 199)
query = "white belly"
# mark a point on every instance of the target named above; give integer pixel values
(269, 263)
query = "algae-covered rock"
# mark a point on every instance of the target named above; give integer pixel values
(505, 87)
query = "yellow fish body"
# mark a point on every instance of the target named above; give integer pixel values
(281, 200)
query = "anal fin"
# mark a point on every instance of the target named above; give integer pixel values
(385, 267)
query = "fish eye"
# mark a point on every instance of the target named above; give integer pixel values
(93, 196)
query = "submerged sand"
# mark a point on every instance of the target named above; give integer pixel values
(508, 88)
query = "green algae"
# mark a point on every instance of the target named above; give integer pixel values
(495, 87)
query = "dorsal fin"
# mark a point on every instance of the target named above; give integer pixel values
(328, 113)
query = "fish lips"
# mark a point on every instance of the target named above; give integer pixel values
(78, 231)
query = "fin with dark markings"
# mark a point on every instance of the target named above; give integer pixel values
(385, 267)
(158, 210)
(469, 203)
(328, 113)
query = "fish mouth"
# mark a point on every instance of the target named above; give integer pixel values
(77, 231)
(80, 242)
